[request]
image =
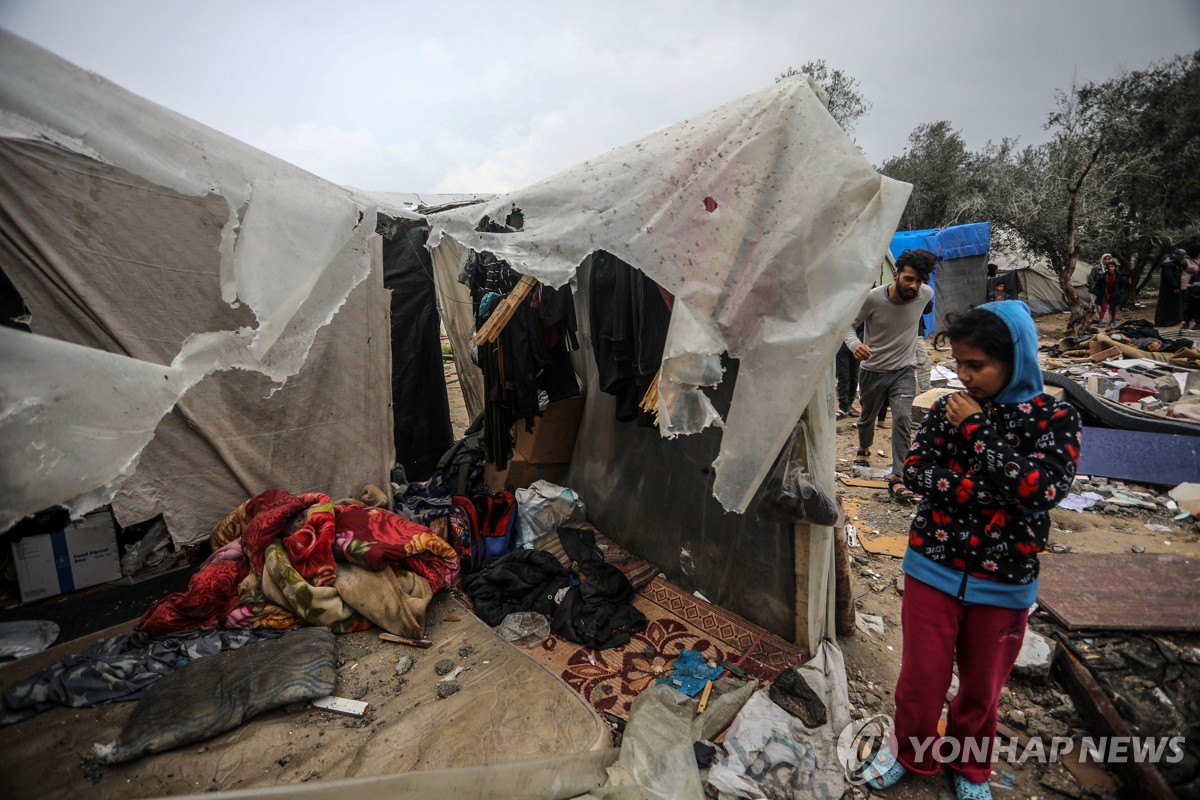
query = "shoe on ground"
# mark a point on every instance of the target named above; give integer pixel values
(965, 790)
(884, 770)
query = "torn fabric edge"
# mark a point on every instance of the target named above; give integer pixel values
(765, 222)
(276, 258)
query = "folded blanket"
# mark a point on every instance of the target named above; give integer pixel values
(278, 559)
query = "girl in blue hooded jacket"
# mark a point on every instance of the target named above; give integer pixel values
(990, 462)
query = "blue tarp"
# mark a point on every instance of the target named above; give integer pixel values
(970, 241)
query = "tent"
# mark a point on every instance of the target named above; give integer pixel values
(1041, 290)
(210, 321)
(960, 281)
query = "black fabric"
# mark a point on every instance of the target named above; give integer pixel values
(523, 580)
(598, 612)
(847, 377)
(532, 354)
(1168, 311)
(49, 520)
(629, 319)
(461, 466)
(1142, 329)
(12, 306)
(420, 406)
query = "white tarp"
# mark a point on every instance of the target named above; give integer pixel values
(761, 217)
(292, 248)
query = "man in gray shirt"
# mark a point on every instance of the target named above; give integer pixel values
(890, 315)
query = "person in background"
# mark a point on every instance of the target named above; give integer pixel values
(998, 292)
(1095, 279)
(1189, 282)
(847, 382)
(887, 356)
(1111, 292)
(1168, 312)
(991, 461)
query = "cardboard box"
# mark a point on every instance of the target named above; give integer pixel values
(521, 473)
(552, 440)
(84, 554)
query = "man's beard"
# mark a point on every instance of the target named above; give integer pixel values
(906, 294)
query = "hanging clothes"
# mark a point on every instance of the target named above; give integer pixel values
(532, 354)
(630, 315)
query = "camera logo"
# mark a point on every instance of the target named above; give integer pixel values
(857, 744)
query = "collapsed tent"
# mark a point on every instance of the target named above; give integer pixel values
(766, 225)
(187, 349)
(210, 322)
(960, 280)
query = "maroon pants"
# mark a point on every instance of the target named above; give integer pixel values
(939, 631)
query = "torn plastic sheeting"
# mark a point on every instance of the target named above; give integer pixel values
(275, 259)
(771, 753)
(656, 750)
(292, 248)
(73, 421)
(769, 276)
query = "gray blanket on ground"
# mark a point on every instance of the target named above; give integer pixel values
(219, 693)
(122, 667)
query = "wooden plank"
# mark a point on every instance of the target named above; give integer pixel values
(863, 483)
(504, 311)
(1121, 591)
(424, 644)
(1140, 779)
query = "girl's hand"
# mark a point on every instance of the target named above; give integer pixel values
(959, 406)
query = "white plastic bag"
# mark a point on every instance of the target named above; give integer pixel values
(543, 508)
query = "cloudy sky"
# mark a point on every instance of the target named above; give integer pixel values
(472, 97)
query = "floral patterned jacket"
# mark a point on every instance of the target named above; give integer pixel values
(987, 489)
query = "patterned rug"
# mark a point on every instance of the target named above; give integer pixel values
(677, 621)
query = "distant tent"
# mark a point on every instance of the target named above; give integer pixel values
(1041, 290)
(960, 280)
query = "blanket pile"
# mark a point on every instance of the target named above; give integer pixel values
(280, 560)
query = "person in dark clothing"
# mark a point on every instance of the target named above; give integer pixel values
(1169, 310)
(847, 382)
(1191, 294)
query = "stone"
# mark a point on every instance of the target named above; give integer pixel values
(404, 665)
(1167, 389)
(447, 688)
(793, 694)
(1061, 781)
(1033, 662)
(444, 666)
(1017, 717)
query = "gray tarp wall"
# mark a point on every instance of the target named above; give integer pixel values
(222, 320)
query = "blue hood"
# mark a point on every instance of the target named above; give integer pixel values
(1026, 381)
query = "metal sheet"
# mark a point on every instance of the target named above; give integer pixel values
(1122, 592)
(1161, 458)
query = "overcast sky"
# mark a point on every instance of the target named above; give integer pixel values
(472, 97)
